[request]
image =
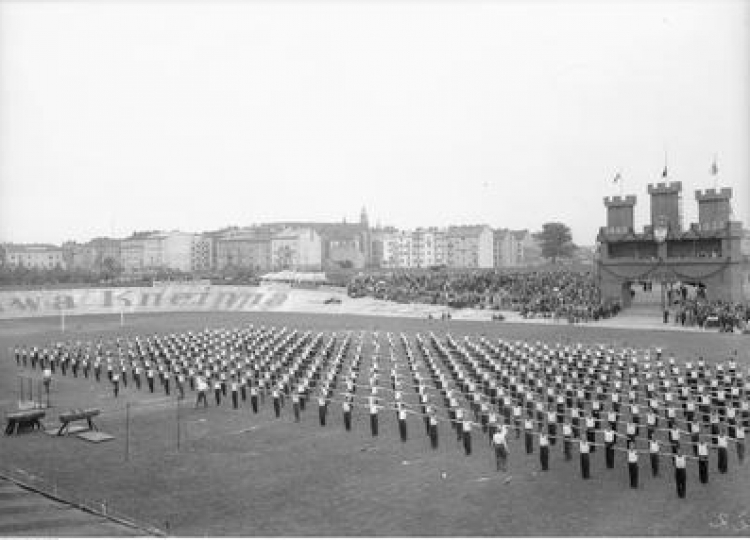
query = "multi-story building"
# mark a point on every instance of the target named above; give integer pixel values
(397, 249)
(296, 249)
(469, 246)
(177, 251)
(106, 254)
(244, 249)
(41, 256)
(343, 245)
(201, 250)
(79, 256)
(510, 247)
(133, 252)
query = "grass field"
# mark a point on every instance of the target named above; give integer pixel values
(240, 474)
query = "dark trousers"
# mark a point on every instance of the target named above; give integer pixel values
(680, 476)
(467, 442)
(235, 399)
(277, 407)
(166, 386)
(723, 461)
(501, 457)
(374, 424)
(201, 397)
(633, 470)
(529, 443)
(402, 430)
(544, 457)
(254, 403)
(585, 466)
(434, 437)
(654, 463)
(741, 451)
(567, 449)
(295, 408)
(150, 384)
(348, 420)
(322, 414)
(217, 394)
(591, 438)
(137, 379)
(703, 470)
(609, 454)
(116, 388)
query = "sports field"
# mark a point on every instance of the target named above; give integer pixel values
(218, 471)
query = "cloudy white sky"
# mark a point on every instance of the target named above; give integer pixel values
(193, 115)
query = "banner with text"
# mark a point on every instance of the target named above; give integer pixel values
(15, 304)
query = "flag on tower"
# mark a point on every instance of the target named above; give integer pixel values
(664, 172)
(714, 168)
(618, 178)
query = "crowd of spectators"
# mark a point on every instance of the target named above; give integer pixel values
(556, 294)
(687, 309)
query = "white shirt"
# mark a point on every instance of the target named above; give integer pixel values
(498, 439)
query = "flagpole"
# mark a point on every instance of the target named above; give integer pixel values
(715, 171)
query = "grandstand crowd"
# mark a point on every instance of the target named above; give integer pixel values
(582, 399)
(692, 309)
(561, 294)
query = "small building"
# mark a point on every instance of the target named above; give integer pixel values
(38, 256)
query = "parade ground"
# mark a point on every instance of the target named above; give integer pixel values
(224, 472)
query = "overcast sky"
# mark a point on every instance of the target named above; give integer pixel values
(123, 116)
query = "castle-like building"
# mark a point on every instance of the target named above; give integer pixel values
(711, 254)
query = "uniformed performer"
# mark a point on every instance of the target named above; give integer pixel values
(217, 392)
(609, 448)
(347, 409)
(202, 388)
(653, 451)
(740, 441)
(373, 417)
(633, 465)
(433, 432)
(322, 410)
(544, 451)
(295, 406)
(47, 379)
(723, 443)
(150, 380)
(254, 398)
(466, 428)
(501, 448)
(276, 402)
(235, 387)
(584, 449)
(680, 475)
(402, 422)
(703, 462)
(567, 431)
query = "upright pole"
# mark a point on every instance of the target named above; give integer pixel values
(178, 422)
(122, 318)
(127, 431)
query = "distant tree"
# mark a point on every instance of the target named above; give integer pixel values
(556, 241)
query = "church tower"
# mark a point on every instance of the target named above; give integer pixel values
(363, 219)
